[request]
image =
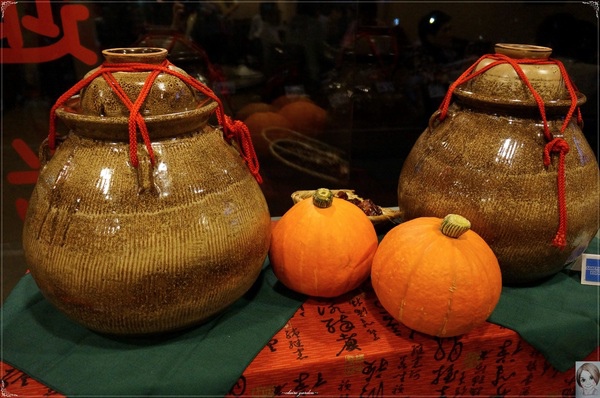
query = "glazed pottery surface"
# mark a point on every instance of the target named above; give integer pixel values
(148, 249)
(501, 83)
(484, 162)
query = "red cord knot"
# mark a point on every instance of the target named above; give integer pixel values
(557, 145)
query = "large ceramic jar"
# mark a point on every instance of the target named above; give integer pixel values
(135, 235)
(531, 192)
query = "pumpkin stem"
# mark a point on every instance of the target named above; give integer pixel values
(454, 225)
(323, 198)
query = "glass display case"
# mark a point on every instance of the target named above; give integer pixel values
(359, 79)
(331, 95)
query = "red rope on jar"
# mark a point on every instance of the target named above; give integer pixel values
(555, 144)
(233, 131)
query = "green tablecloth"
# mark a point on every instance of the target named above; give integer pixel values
(207, 360)
(558, 316)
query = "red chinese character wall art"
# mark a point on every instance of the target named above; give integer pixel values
(63, 35)
(25, 177)
(44, 24)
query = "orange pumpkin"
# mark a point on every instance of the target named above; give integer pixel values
(436, 276)
(305, 116)
(254, 107)
(323, 246)
(259, 121)
(283, 100)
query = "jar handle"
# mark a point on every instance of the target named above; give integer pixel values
(434, 120)
(145, 174)
(44, 151)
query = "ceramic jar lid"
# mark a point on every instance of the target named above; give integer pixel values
(501, 84)
(170, 107)
(168, 94)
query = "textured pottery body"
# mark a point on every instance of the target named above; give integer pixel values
(126, 250)
(484, 161)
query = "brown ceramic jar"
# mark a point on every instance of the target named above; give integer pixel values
(154, 248)
(485, 162)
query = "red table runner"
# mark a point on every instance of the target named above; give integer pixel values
(350, 347)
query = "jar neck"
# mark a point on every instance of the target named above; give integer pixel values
(146, 55)
(523, 51)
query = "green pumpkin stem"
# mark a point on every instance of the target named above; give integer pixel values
(323, 198)
(454, 225)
